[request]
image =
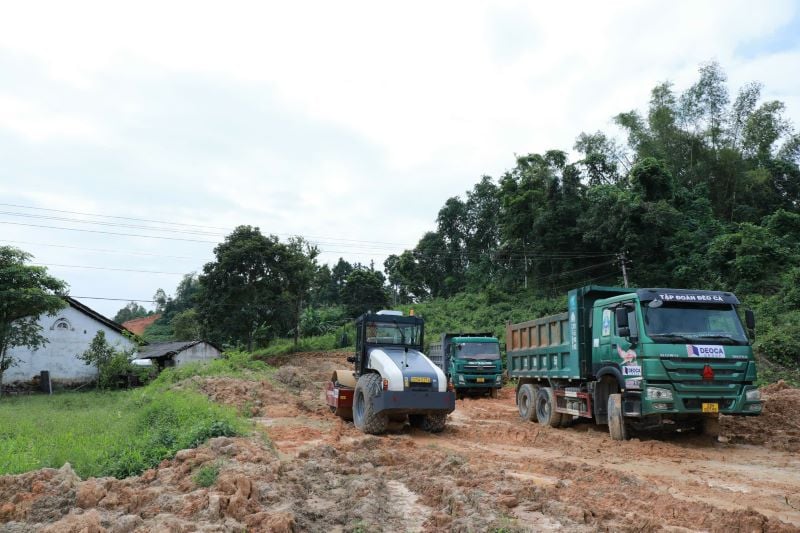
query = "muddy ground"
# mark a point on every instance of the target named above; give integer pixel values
(487, 471)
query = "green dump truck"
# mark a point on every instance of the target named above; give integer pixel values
(471, 361)
(636, 359)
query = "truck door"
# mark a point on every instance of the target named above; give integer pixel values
(615, 348)
(602, 343)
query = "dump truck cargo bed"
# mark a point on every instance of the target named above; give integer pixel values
(557, 346)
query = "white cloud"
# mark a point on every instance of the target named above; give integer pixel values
(353, 120)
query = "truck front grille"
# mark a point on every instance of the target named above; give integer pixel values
(696, 403)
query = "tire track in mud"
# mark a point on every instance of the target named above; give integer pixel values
(487, 471)
(578, 477)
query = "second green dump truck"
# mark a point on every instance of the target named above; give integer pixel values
(636, 359)
(471, 361)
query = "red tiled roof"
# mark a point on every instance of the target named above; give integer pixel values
(138, 325)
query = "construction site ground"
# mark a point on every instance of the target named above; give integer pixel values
(488, 471)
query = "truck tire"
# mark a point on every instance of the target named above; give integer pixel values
(494, 393)
(616, 421)
(434, 422)
(545, 408)
(364, 417)
(526, 402)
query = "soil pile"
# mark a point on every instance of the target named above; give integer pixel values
(778, 426)
(487, 471)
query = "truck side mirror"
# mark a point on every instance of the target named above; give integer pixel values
(621, 314)
(750, 320)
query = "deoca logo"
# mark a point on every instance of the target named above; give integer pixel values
(703, 350)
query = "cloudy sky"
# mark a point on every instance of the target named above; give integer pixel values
(134, 137)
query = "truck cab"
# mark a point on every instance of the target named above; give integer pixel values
(474, 364)
(636, 359)
(677, 355)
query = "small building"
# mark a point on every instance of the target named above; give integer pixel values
(177, 353)
(69, 333)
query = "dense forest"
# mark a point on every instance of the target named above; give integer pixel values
(703, 193)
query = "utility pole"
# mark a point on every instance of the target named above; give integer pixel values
(624, 271)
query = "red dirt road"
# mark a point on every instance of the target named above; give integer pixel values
(488, 471)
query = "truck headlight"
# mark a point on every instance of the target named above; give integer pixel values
(460, 378)
(752, 395)
(657, 393)
(499, 378)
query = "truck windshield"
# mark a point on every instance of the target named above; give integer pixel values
(388, 333)
(702, 324)
(478, 350)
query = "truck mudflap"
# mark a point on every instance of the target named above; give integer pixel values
(415, 402)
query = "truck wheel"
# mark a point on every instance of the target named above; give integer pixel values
(494, 393)
(526, 402)
(434, 422)
(546, 408)
(364, 416)
(616, 421)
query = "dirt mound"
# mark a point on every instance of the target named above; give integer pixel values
(488, 470)
(778, 426)
(162, 499)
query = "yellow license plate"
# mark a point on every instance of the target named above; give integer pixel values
(479, 380)
(420, 380)
(711, 408)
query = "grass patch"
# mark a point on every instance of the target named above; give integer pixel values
(115, 434)
(321, 343)
(232, 364)
(206, 476)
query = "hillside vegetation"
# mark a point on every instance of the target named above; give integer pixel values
(704, 193)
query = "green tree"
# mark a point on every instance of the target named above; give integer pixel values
(130, 311)
(26, 292)
(252, 288)
(112, 365)
(300, 265)
(186, 326)
(364, 290)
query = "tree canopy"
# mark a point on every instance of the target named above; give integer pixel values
(26, 292)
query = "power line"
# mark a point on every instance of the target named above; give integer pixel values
(228, 230)
(363, 245)
(112, 299)
(109, 268)
(515, 255)
(107, 232)
(112, 216)
(131, 252)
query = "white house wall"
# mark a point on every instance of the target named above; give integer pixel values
(198, 352)
(70, 333)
